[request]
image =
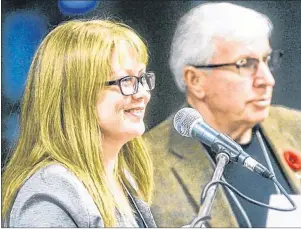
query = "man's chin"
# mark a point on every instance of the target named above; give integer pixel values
(260, 116)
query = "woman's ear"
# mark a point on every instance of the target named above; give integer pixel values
(194, 80)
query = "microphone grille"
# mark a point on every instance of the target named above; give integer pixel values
(184, 119)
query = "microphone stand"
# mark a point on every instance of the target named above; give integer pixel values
(204, 212)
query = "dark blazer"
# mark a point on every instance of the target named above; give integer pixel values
(182, 169)
(55, 197)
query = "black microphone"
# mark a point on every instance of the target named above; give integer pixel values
(189, 123)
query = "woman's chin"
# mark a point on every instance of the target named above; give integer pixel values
(134, 131)
(138, 132)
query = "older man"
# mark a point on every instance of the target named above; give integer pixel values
(221, 57)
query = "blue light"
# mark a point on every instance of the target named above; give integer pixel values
(75, 7)
(22, 33)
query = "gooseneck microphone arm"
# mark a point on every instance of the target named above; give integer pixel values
(222, 159)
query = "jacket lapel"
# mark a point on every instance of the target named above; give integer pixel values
(188, 156)
(145, 212)
(192, 160)
(193, 168)
(280, 142)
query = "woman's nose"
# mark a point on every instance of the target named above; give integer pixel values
(142, 92)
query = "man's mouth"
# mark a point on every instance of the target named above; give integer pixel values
(262, 102)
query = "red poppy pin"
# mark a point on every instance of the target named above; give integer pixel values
(293, 159)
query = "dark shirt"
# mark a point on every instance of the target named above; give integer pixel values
(252, 184)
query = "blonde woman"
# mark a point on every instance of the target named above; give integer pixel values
(79, 160)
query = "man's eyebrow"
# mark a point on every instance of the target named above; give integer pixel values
(268, 52)
(244, 56)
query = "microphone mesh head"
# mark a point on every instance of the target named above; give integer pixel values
(184, 119)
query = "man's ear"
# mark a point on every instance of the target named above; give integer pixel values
(194, 80)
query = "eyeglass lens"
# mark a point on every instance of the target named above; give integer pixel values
(275, 60)
(129, 85)
(250, 67)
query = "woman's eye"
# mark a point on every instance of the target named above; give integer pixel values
(127, 81)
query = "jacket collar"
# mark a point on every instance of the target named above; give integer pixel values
(193, 167)
(279, 144)
(143, 210)
(189, 149)
(191, 156)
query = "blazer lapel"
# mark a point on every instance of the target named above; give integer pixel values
(145, 212)
(194, 168)
(279, 143)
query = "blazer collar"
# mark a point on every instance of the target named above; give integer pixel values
(279, 145)
(142, 209)
(186, 148)
(145, 212)
(189, 149)
(194, 170)
(191, 157)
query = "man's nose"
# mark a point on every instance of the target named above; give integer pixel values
(264, 76)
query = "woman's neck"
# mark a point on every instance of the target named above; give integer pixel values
(111, 149)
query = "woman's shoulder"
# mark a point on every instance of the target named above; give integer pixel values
(55, 175)
(57, 195)
(53, 179)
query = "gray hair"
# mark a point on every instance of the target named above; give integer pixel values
(193, 41)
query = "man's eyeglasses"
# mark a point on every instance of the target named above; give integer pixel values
(129, 84)
(248, 66)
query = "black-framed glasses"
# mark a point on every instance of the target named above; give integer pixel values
(129, 84)
(248, 66)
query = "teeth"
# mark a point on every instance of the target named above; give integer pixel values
(134, 109)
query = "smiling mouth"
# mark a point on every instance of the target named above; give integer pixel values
(136, 112)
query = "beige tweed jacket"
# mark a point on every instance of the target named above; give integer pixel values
(182, 169)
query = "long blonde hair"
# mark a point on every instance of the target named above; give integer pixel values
(58, 115)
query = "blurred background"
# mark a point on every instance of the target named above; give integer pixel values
(25, 23)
